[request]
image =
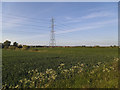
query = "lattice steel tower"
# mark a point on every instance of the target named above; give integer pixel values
(52, 35)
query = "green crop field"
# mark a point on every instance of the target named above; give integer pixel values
(60, 68)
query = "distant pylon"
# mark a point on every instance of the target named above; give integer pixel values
(52, 35)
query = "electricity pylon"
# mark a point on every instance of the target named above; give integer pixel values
(52, 34)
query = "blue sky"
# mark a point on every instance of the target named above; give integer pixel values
(80, 23)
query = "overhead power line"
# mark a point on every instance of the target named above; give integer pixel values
(64, 25)
(25, 21)
(25, 31)
(23, 24)
(25, 17)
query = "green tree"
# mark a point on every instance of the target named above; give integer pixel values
(12, 47)
(25, 47)
(0, 45)
(7, 43)
(15, 44)
(20, 46)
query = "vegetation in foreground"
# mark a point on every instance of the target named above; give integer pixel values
(61, 68)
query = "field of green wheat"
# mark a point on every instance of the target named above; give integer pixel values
(60, 68)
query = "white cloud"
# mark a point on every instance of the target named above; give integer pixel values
(12, 23)
(89, 26)
(97, 14)
(77, 29)
(68, 18)
(90, 16)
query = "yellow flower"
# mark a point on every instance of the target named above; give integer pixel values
(28, 71)
(82, 65)
(92, 72)
(103, 70)
(21, 81)
(17, 86)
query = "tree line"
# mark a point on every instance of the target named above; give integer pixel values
(7, 45)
